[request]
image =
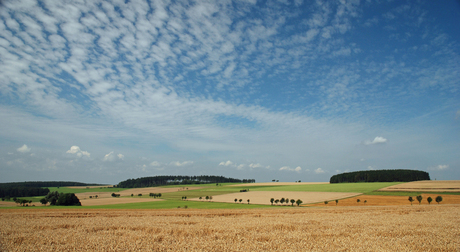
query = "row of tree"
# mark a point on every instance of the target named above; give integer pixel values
(429, 199)
(21, 191)
(178, 180)
(380, 176)
(283, 200)
(45, 184)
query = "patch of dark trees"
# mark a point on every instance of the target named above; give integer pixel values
(179, 180)
(20, 191)
(61, 199)
(45, 184)
(380, 176)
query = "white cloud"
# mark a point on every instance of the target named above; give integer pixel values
(370, 168)
(319, 171)
(377, 140)
(228, 163)
(287, 168)
(23, 149)
(112, 157)
(179, 164)
(255, 165)
(76, 150)
(155, 163)
(440, 167)
(240, 167)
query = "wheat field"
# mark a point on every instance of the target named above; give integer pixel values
(372, 228)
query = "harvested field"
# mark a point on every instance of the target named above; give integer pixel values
(378, 200)
(134, 191)
(112, 201)
(263, 197)
(389, 228)
(280, 183)
(426, 186)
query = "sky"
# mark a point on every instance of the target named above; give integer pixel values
(104, 91)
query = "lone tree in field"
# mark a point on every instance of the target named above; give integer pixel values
(438, 199)
(325, 202)
(292, 202)
(298, 202)
(336, 202)
(358, 200)
(365, 201)
(272, 200)
(419, 199)
(429, 199)
(411, 199)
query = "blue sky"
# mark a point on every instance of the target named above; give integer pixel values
(103, 91)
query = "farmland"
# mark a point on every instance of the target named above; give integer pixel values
(380, 228)
(375, 223)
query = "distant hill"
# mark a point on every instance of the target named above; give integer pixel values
(380, 176)
(178, 180)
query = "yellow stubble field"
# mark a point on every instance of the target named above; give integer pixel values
(371, 228)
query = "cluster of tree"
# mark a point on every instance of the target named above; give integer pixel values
(178, 180)
(45, 184)
(117, 195)
(22, 191)
(154, 195)
(283, 200)
(207, 198)
(420, 198)
(380, 176)
(61, 199)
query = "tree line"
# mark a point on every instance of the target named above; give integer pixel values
(45, 184)
(380, 176)
(179, 180)
(21, 191)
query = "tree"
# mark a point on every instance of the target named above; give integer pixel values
(52, 197)
(287, 201)
(272, 200)
(240, 200)
(44, 201)
(236, 200)
(438, 199)
(358, 200)
(68, 199)
(325, 202)
(419, 199)
(207, 197)
(298, 202)
(292, 202)
(429, 199)
(410, 199)
(365, 201)
(201, 198)
(248, 201)
(336, 202)
(277, 201)
(282, 201)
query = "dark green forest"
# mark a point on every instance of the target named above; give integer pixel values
(380, 176)
(33, 188)
(178, 180)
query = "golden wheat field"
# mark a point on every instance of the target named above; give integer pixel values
(372, 228)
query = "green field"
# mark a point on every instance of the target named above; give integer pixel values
(174, 199)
